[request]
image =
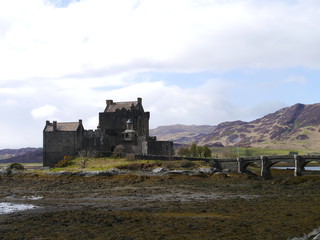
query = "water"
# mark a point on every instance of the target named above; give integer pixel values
(6, 207)
(306, 168)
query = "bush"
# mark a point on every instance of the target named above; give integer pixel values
(16, 166)
(84, 162)
(66, 161)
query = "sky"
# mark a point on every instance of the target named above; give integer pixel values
(191, 61)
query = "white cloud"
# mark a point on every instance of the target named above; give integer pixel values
(44, 112)
(206, 104)
(108, 37)
(296, 79)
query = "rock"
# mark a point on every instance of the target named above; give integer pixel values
(5, 171)
(206, 170)
(158, 170)
(179, 172)
(115, 171)
(110, 172)
(60, 173)
(314, 235)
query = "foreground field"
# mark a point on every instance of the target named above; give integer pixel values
(136, 207)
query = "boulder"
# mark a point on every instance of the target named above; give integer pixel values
(5, 171)
(179, 172)
(158, 170)
(206, 170)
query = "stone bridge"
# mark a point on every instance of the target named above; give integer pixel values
(266, 162)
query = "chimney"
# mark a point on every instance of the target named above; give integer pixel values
(109, 102)
(80, 121)
(54, 124)
(139, 100)
(47, 122)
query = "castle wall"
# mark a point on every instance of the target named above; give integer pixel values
(115, 122)
(59, 144)
(162, 148)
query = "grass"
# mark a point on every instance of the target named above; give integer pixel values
(104, 164)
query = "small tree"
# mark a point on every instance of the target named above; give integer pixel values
(85, 156)
(181, 151)
(193, 150)
(200, 150)
(206, 152)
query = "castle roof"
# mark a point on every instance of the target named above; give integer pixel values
(63, 126)
(120, 105)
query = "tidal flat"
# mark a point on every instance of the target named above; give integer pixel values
(222, 206)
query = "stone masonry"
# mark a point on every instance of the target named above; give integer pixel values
(121, 123)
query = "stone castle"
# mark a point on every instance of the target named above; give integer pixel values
(124, 124)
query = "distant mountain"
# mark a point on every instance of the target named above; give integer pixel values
(296, 127)
(181, 134)
(22, 155)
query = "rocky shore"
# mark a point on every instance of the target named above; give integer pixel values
(160, 205)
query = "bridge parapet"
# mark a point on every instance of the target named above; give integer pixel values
(266, 162)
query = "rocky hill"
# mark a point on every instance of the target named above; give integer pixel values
(22, 155)
(181, 134)
(297, 127)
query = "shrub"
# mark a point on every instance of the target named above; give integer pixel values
(84, 162)
(16, 166)
(66, 161)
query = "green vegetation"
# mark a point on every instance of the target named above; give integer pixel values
(104, 164)
(195, 151)
(16, 166)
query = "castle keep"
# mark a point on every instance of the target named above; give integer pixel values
(124, 124)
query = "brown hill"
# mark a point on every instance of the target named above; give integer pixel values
(296, 127)
(22, 155)
(181, 134)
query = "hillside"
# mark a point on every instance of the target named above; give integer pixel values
(181, 134)
(296, 127)
(22, 155)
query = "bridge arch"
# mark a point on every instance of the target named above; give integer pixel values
(243, 165)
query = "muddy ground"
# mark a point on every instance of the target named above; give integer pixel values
(132, 207)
